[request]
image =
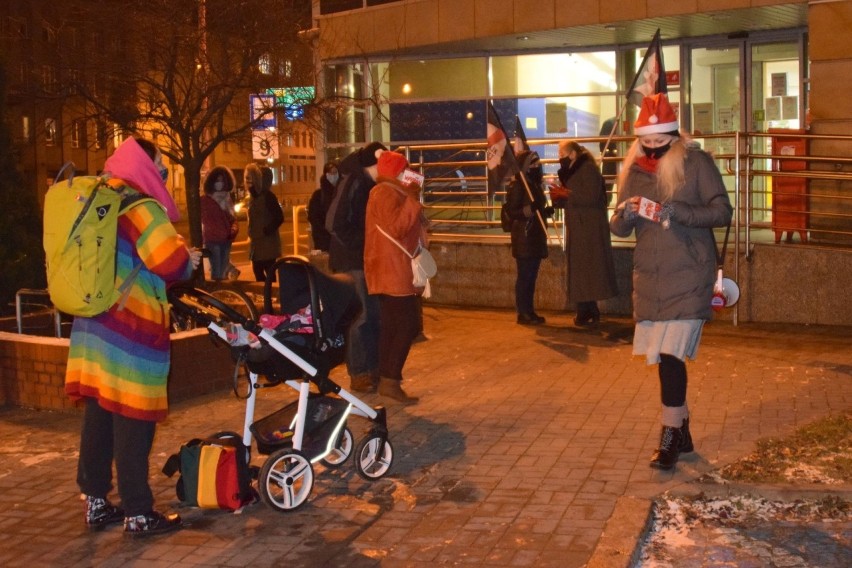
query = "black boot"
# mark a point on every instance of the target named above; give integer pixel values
(666, 456)
(530, 319)
(586, 314)
(685, 438)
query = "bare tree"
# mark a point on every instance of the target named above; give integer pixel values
(181, 71)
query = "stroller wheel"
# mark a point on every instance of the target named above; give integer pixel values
(341, 452)
(373, 456)
(285, 480)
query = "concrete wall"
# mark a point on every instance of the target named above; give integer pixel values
(780, 283)
(32, 369)
(786, 283)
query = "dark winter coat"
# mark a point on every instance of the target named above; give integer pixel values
(591, 270)
(264, 218)
(317, 210)
(347, 214)
(674, 269)
(529, 239)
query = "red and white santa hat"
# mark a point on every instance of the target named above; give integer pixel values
(391, 164)
(656, 116)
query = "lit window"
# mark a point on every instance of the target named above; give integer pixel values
(25, 128)
(49, 131)
(117, 136)
(77, 133)
(263, 64)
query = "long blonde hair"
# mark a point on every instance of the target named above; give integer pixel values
(670, 176)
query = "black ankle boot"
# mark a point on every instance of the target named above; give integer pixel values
(685, 438)
(666, 456)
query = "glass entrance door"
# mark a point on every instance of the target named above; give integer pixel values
(746, 85)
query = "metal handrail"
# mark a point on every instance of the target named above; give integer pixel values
(446, 198)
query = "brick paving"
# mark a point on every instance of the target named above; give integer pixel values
(522, 445)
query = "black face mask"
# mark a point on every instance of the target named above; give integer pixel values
(565, 162)
(535, 176)
(656, 153)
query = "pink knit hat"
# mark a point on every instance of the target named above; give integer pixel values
(391, 164)
(656, 116)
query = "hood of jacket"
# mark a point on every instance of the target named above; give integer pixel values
(130, 163)
(230, 180)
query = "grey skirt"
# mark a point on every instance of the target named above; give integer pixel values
(678, 338)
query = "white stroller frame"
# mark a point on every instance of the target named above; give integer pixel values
(286, 478)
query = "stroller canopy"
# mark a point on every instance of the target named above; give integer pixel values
(332, 297)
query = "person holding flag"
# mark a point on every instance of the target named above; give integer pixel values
(672, 195)
(527, 206)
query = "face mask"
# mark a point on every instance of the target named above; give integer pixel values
(565, 162)
(218, 185)
(164, 171)
(535, 176)
(332, 178)
(656, 153)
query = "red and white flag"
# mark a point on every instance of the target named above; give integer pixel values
(650, 79)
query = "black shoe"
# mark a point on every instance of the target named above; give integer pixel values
(100, 513)
(530, 319)
(685, 438)
(150, 524)
(666, 456)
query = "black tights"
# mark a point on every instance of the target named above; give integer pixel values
(672, 380)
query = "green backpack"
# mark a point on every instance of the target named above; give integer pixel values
(80, 231)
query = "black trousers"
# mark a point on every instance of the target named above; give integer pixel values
(525, 284)
(261, 269)
(399, 325)
(107, 436)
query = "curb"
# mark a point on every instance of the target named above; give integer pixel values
(620, 541)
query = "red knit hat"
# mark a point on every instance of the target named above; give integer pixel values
(391, 164)
(656, 116)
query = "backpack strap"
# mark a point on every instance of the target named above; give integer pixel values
(128, 200)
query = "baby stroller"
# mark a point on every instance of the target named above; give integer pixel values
(307, 320)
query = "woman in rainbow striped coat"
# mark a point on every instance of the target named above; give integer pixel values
(118, 361)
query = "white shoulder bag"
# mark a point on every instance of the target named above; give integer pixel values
(422, 264)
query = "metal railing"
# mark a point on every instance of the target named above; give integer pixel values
(460, 206)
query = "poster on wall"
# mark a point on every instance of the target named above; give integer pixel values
(773, 108)
(726, 119)
(702, 119)
(779, 84)
(556, 118)
(790, 108)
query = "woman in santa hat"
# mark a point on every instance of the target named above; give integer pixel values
(394, 219)
(674, 262)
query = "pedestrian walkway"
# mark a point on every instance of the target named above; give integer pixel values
(525, 443)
